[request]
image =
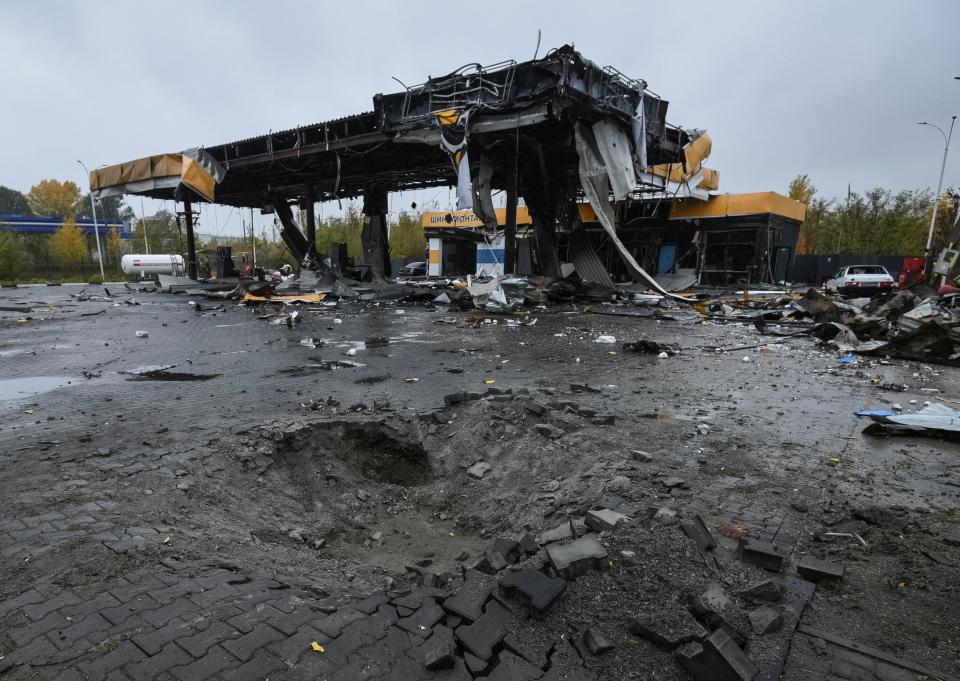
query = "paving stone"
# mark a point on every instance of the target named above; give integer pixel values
(532, 586)
(40, 610)
(528, 643)
(529, 544)
(292, 648)
(549, 430)
(817, 570)
(888, 672)
(566, 665)
(669, 628)
(370, 604)
(597, 642)
(718, 658)
(558, 533)
(474, 663)
(462, 396)
(247, 621)
(698, 531)
(152, 642)
(767, 591)
(479, 469)
(171, 656)
(215, 661)
(333, 625)
(180, 607)
(765, 620)
(136, 605)
(480, 637)
(469, 599)
(510, 549)
(80, 628)
(210, 596)
(514, 668)
(572, 559)
(28, 597)
(421, 622)
(247, 645)
(378, 659)
(290, 622)
(762, 553)
(125, 654)
(439, 651)
(603, 519)
(260, 667)
(199, 643)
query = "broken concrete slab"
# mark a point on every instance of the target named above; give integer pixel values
(561, 532)
(533, 587)
(668, 628)
(765, 620)
(817, 570)
(762, 553)
(604, 519)
(572, 559)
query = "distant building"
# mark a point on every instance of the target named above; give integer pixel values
(32, 224)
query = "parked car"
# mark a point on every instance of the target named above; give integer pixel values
(855, 280)
(414, 269)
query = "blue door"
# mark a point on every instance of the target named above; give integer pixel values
(668, 257)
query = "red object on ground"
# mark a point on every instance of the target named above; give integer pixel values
(947, 288)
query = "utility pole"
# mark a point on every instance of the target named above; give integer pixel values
(143, 213)
(96, 229)
(936, 198)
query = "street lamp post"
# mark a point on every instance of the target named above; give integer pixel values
(96, 228)
(936, 198)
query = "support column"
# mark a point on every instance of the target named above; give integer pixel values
(191, 243)
(510, 223)
(310, 200)
(376, 245)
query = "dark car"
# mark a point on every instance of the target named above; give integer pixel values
(414, 269)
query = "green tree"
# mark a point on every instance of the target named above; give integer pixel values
(801, 189)
(108, 208)
(13, 257)
(55, 199)
(13, 202)
(69, 246)
(346, 229)
(160, 232)
(407, 240)
(114, 246)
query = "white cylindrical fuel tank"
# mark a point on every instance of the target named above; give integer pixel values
(152, 264)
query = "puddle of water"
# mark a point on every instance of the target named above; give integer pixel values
(17, 388)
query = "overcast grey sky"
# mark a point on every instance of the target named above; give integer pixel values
(833, 89)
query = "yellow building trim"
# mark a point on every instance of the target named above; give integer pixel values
(726, 205)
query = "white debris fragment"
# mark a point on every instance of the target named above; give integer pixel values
(746, 358)
(142, 334)
(662, 355)
(606, 339)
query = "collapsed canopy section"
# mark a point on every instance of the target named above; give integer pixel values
(161, 176)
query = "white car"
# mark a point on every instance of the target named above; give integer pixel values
(856, 280)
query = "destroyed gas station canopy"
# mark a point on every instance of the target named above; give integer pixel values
(552, 130)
